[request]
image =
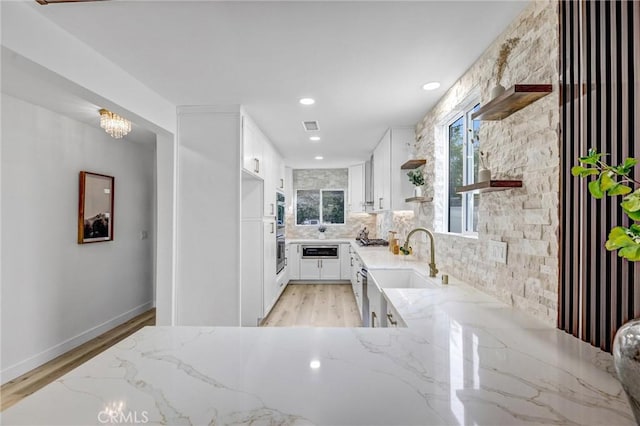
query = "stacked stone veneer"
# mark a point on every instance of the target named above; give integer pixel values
(523, 146)
(326, 179)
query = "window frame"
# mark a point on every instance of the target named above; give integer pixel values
(467, 178)
(344, 206)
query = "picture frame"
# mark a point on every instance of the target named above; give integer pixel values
(96, 209)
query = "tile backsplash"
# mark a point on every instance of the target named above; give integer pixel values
(326, 179)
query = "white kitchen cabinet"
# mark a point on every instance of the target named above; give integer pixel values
(392, 318)
(345, 261)
(293, 261)
(319, 269)
(269, 284)
(356, 203)
(391, 185)
(270, 160)
(376, 313)
(252, 148)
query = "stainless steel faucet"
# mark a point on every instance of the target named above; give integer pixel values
(432, 266)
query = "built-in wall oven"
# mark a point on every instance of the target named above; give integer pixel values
(280, 220)
(281, 260)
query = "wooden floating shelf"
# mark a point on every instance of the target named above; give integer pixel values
(418, 200)
(489, 186)
(512, 100)
(413, 164)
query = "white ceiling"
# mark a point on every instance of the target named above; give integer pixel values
(363, 62)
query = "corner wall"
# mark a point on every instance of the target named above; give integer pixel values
(56, 293)
(523, 146)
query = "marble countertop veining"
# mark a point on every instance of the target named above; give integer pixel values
(465, 358)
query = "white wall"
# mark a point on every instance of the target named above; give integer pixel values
(56, 293)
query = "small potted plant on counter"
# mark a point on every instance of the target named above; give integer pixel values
(321, 229)
(417, 179)
(617, 181)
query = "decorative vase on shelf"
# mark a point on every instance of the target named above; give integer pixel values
(417, 191)
(626, 358)
(497, 91)
(484, 175)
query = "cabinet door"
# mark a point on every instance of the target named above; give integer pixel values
(356, 188)
(345, 261)
(252, 148)
(269, 184)
(293, 261)
(385, 170)
(270, 254)
(309, 269)
(401, 140)
(375, 313)
(330, 269)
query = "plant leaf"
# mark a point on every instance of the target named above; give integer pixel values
(577, 170)
(628, 164)
(618, 238)
(631, 253)
(595, 190)
(631, 202)
(619, 189)
(606, 182)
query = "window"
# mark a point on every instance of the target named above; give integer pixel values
(463, 169)
(316, 206)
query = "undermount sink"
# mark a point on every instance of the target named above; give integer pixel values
(402, 278)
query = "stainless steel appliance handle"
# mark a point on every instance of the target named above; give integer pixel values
(380, 203)
(358, 276)
(273, 227)
(273, 209)
(373, 319)
(257, 167)
(352, 261)
(286, 261)
(281, 183)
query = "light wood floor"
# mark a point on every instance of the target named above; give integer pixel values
(315, 305)
(23, 386)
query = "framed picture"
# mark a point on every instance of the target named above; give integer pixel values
(95, 213)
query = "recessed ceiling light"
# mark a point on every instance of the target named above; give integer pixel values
(314, 138)
(315, 364)
(307, 101)
(431, 85)
(319, 157)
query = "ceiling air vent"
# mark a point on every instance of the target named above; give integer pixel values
(311, 126)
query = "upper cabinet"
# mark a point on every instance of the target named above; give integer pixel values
(252, 148)
(260, 159)
(356, 189)
(390, 184)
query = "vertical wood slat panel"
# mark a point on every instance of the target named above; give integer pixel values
(599, 59)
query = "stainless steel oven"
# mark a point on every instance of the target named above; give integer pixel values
(280, 204)
(281, 260)
(320, 251)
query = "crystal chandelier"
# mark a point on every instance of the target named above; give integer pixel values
(113, 124)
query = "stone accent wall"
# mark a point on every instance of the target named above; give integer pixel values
(523, 146)
(326, 179)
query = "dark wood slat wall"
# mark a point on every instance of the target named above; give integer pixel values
(600, 106)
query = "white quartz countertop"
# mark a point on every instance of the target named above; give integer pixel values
(319, 241)
(465, 358)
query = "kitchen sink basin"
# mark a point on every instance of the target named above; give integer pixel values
(402, 278)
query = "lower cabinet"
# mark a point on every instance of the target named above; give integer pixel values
(319, 269)
(392, 318)
(377, 305)
(293, 261)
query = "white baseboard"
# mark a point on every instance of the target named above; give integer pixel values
(47, 355)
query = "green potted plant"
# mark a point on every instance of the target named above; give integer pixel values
(617, 181)
(417, 179)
